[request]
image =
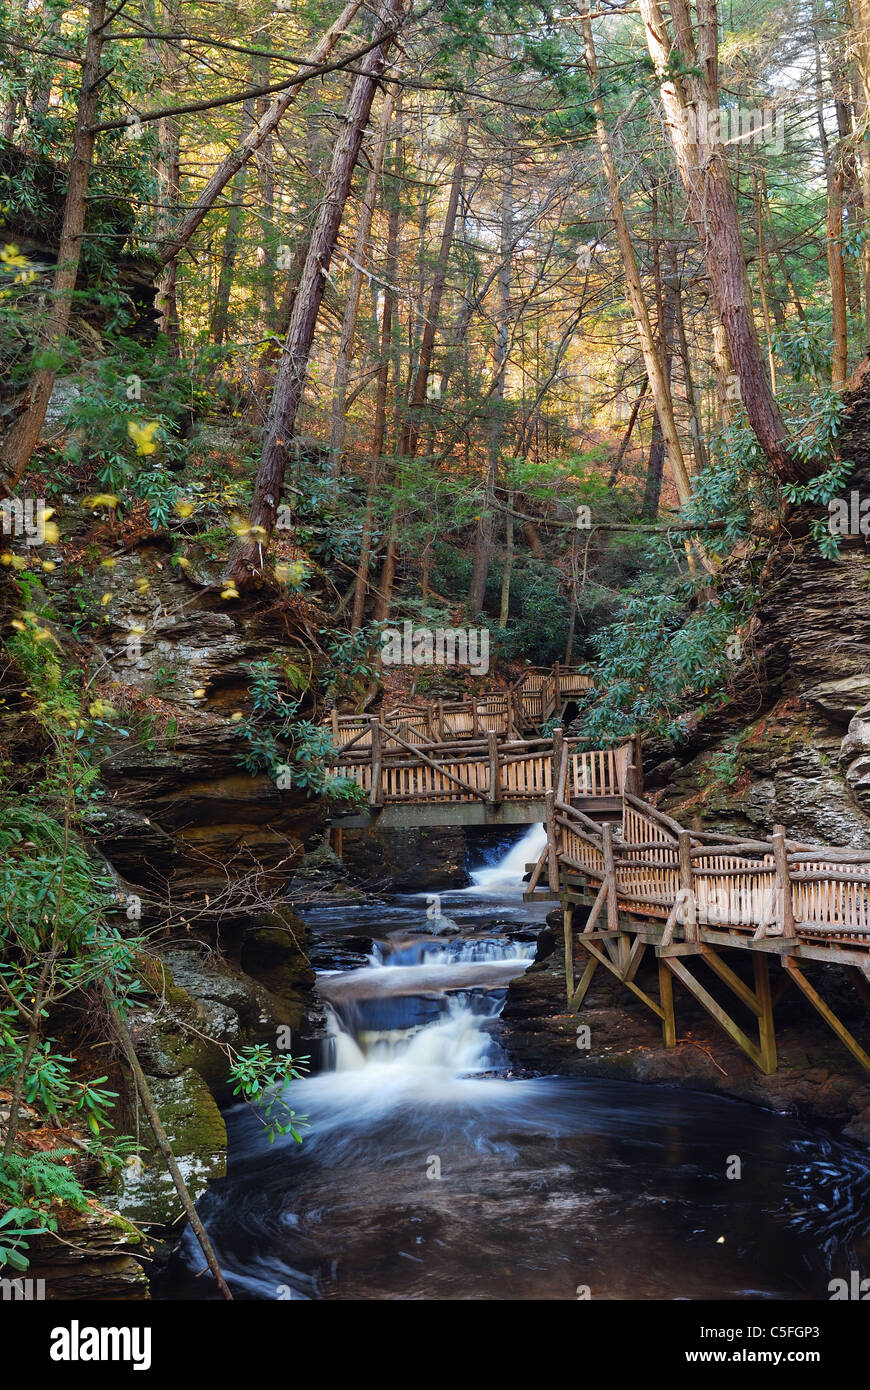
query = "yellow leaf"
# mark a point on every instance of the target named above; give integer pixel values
(107, 598)
(143, 436)
(100, 499)
(184, 508)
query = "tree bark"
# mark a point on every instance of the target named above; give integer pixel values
(688, 98)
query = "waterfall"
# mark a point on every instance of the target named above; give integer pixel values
(507, 875)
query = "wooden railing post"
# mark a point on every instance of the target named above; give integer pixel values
(375, 796)
(691, 929)
(557, 680)
(475, 717)
(610, 878)
(785, 913)
(556, 775)
(335, 727)
(552, 846)
(495, 796)
(637, 759)
(441, 734)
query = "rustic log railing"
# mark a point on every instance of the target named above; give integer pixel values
(392, 769)
(531, 701)
(687, 893)
(775, 887)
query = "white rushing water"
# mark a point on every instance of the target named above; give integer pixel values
(431, 1054)
(507, 876)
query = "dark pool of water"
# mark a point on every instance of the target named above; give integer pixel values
(422, 1178)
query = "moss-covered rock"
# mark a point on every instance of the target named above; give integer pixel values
(197, 1133)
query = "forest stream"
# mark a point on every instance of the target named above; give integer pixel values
(430, 1171)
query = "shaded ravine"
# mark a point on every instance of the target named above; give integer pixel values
(429, 1172)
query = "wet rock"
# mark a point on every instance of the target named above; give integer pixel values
(197, 1133)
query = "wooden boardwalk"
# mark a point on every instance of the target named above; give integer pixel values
(488, 781)
(539, 694)
(651, 884)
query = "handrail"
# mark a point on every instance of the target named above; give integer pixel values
(756, 886)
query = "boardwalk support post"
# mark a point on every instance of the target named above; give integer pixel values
(666, 998)
(825, 1011)
(568, 931)
(556, 774)
(691, 927)
(610, 879)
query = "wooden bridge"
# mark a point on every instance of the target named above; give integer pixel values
(487, 781)
(540, 694)
(650, 883)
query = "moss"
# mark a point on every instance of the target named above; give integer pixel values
(197, 1133)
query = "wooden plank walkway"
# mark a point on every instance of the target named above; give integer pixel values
(650, 883)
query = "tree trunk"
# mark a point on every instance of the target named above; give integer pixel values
(357, 272)
(410, 430)
(484, 538)
(168, 141)
(271, 353)
(688, 99)
(504, 608)
(293, 366)
(658, 383)
(266, 249)
(23, 436)
(391, 267)
(834, 234)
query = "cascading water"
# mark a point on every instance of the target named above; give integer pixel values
(507, 876)
(427, 1172)
(467, 974)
